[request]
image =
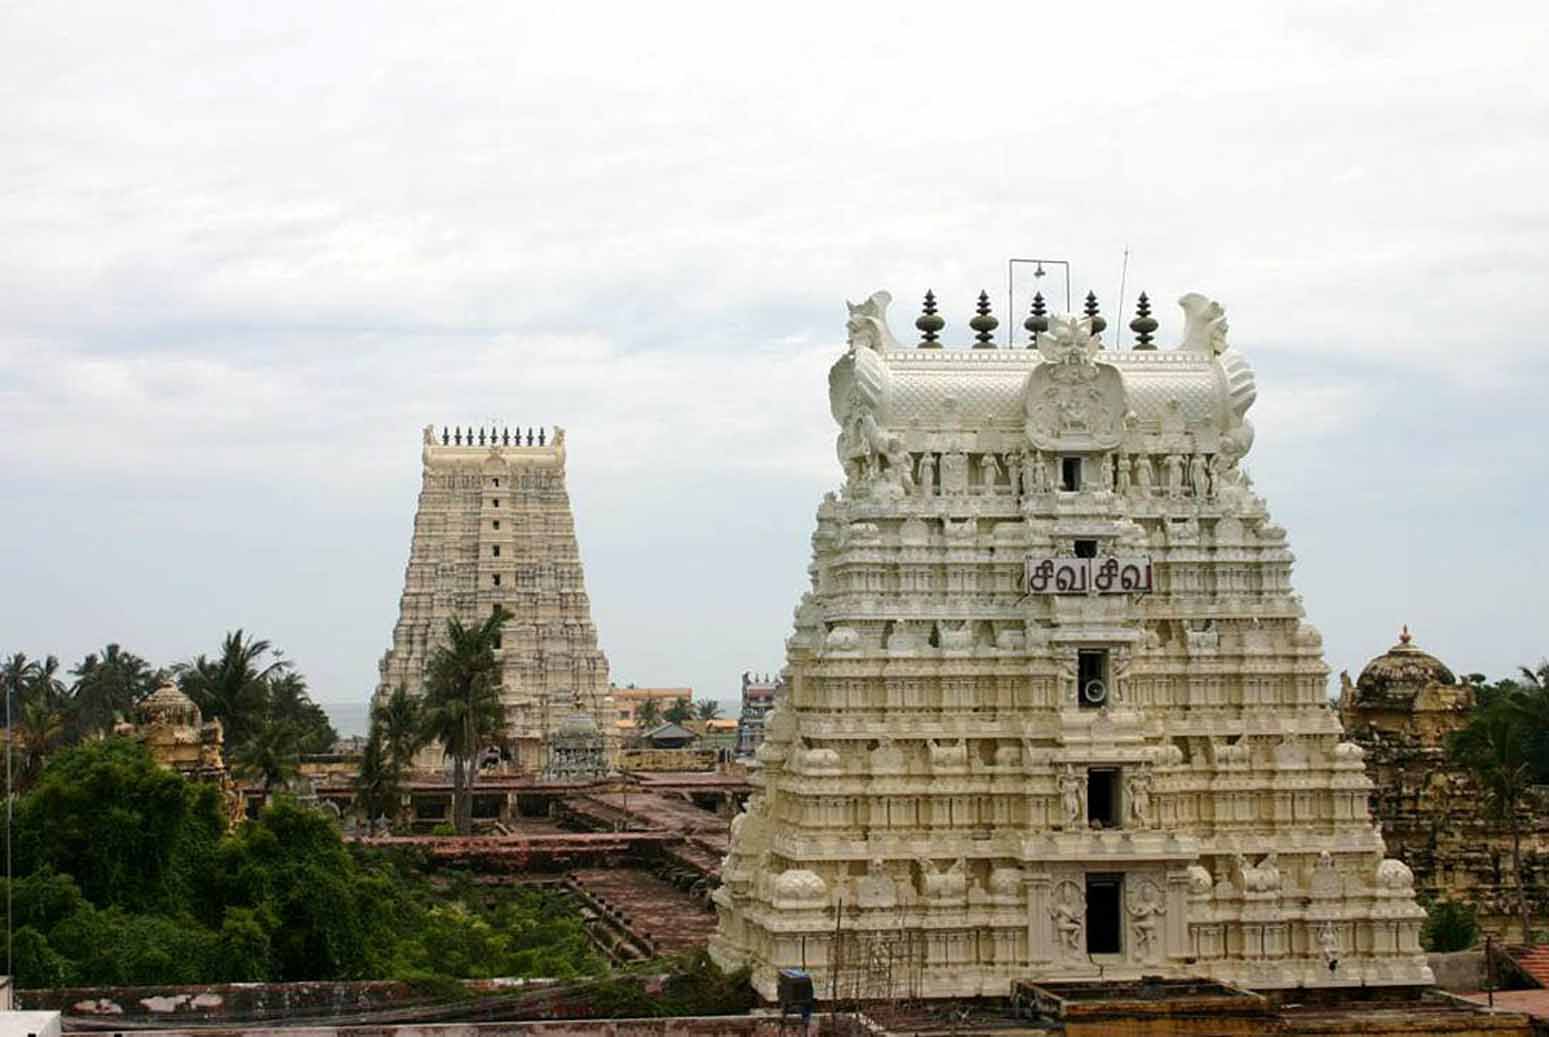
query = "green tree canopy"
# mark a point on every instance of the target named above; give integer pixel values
(680, 711)
(461, 709)
(108, 686)
(709, 709)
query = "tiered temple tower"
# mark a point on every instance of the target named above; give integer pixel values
(494, 527)
(1053, 708)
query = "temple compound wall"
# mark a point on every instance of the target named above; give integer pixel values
(1053, 709)
(1400, 711)
(494, 527)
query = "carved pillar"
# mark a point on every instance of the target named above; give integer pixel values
(1040, 945)
(1178, 942)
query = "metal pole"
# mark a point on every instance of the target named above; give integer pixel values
(1010, 303)
(1118, 341)
(10, 742)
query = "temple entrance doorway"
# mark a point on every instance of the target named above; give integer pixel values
(1103, 933)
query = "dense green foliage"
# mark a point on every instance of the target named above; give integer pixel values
(125, 877)
(1505, 747)
(694, 986)
(1449, 926)
(265, 711)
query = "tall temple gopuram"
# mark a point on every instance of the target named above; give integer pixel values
(494, 527)
(1053, 709)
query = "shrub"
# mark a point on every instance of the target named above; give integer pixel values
(1449, 926)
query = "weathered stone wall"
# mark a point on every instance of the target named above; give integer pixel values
(1401, 711)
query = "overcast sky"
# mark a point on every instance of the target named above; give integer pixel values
(251, 249)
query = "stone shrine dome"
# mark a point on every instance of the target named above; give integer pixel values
(1401, 672)
(168, 705)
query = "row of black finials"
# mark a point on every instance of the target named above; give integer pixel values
(503, 438)
(984, 322)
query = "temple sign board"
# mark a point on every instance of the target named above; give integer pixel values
(1131, 575)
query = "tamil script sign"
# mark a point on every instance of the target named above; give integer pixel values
(1089, 575)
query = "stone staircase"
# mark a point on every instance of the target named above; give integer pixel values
(1534, 961)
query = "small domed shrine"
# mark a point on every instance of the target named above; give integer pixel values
(1405, 691)
(1400, 711)
(1054, 710)
(178, 737)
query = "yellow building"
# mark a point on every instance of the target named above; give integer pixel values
(627, 701)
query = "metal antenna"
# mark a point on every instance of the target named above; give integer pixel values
(1123, 274)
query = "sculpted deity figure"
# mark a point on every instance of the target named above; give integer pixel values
(1032, 473)
(1217, 469)
(925, 480)
(989, 472)
(898, 475)
(1143, 474)
(1105, 473)
(1174, 466)
(954, 472)
(1124, 481)
(1072, 798)
(1014, 472)
(1067, 915)
(1145, 912)
(1139, 789)
(1328, 943)
(1197, 476)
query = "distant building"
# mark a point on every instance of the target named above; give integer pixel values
(627, 702)
(669, 736)
(170, 726)
(758, 698)
(494, 527)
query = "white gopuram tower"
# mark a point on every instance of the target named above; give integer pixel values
(494, 526)
(1053, 708)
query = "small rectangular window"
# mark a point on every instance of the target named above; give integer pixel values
(1104, 914)
(1092, 677)
(496, 579)
(494, 550)
(495, 483)
(495, 524)
(1084, 549)
(1102, 797)
(1070, 474)
(497, 502)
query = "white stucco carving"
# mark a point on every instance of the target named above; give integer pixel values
(1206, 811)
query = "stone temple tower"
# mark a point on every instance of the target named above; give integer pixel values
(1054, 711)
(494, 526)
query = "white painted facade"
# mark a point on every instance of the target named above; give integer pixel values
(978, 775)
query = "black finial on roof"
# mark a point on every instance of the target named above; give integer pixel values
(457, 436)
(1143, 324)
(1098, 324)
(445, 436)
(930, 323)
(481, 435)
(1037, 320)
(984, 323)
(505, 435)
(529, 435)
(540, 436)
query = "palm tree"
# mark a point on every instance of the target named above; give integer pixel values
(680, 711)
(462, 710)
(647, 715)
(399, 718)
(15, 674)
(271, 751)
(709, 709)
(107, 686)
(41, 718)
(1494, 748)
(233, 687)
(377, 789)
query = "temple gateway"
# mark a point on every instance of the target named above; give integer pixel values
(494, 527)
(1053, 708)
